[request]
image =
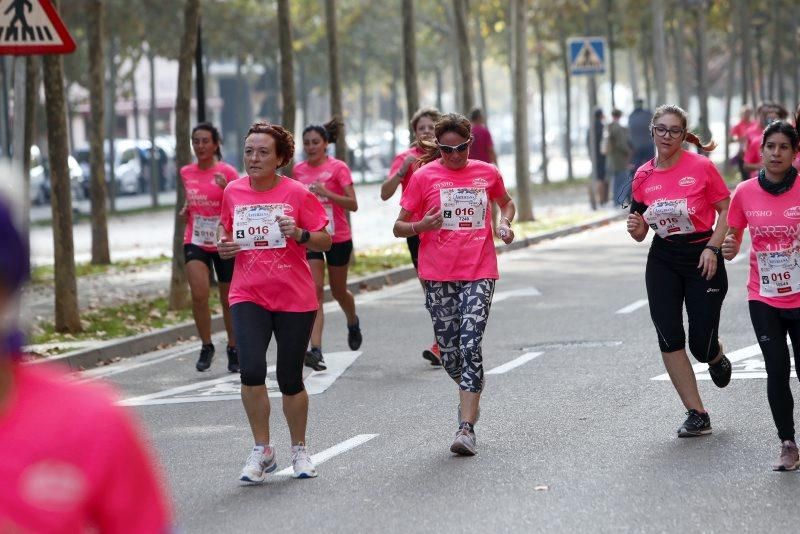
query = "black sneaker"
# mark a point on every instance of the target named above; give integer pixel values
(354, 335)
(721, 372)
(233, 360)
(314, 359)
(696, 424)
(206, 356)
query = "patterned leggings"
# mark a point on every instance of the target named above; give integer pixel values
(459, 311)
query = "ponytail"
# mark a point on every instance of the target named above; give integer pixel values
(328, 131)
(449, 122)
(430, 149)
(693, 139)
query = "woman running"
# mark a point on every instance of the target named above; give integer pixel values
(769, 207)
(267, 223)
(403, 165)
(457, 260)
(204, 182)
(330, 180)
(679, 194)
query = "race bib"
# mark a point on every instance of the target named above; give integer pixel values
(204, 231)
(255, 226)
(779, 272)
(463, 208)
(669, 217)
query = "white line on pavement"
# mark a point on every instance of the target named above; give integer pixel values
(500, 296)
(630, 308)
(513, 364)
(332, 452)
(735, 356)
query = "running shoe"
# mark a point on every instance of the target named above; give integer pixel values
(301, 462)
(721, 372)
(433, 355)
(354, 335)
(260, 462)
(696, 424)
(789, 459)
(206, 356)
(233, 360)
(477, 416)
(464, 443)
(314, 359)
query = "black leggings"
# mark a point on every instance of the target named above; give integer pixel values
(771, 326)
(673, 278)
(253, 326)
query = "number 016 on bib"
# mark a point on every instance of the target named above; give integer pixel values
(255, 226)
(463, 208)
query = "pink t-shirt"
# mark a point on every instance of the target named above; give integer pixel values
(465, 253)
(71, 460)
(752, 152)
(203, 202)
(481, 143)
(335, 176)
(739, 131)
(277, 279)
(680, 199)
(774, 225)
(398, 160)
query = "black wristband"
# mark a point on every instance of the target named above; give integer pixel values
(304, 237)
(712, 248)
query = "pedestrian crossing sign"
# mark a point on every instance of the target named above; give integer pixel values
(587, 55)
(32, 27)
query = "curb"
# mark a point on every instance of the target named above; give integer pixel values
(141, 343)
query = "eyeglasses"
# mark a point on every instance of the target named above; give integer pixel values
(662, 131)
(447, 149)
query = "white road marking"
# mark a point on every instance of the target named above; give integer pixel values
(746, 369)
(513, 364)
(229, 387)
(630, 308)
(741, 256)
(500, 296)
(332, 452)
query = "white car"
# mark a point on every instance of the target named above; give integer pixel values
(40, 178)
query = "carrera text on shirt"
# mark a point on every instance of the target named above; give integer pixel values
(203, 203)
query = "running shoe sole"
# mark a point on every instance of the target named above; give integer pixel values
(310, 361)
(693, 433)
(431, 357)
(784, 468)
(305, 474)
(269, 469)
(461, 448)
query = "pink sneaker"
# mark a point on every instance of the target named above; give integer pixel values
(789, 458)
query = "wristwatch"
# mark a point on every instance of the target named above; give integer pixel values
(713, 249)
(304, 237)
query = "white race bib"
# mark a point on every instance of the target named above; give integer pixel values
(255, 226)
(669, 217)
(463, 208)
(779, 272)
(204, 231)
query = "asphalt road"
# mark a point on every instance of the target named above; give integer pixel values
(575, 434)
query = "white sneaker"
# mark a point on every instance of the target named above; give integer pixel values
(301, 463)
(260, 462)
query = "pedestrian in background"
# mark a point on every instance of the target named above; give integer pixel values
(739, 136)
(403, 166)
(267, 223)
(619, 152)
(598, 157)
(457, 258)
(640, 134)
(204, 182)
(482, 147)
(331, 181)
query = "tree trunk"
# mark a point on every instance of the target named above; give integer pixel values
(464, 54)
(610, 38)
(480, 50)
(744, 44)
(659, 54)
(536, 24)
(335, 77)
(151, 126)
(200, 78)
(393, 110)
(18, 138)
(729, 85)
(111, 123)
(410, 60)
(632, 75)
(5, 116)
(680, 58)
(70, 121)
(562, 37)
(95, 29)
(439, 88)
(67, 315)
(362, 116)
(32, 81)
(179, 289)
(760, 67)
(520, 97)
(702, 71)
(648, 80)
(288, 99)
(303, 90)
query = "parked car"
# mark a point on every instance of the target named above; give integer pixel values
(40, 178)
(132, 165)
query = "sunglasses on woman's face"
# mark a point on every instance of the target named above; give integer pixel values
(447, 149)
